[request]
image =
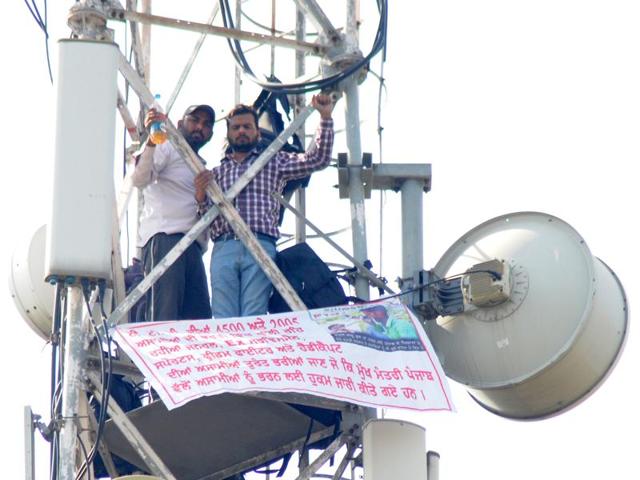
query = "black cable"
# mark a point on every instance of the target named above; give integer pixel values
(35, 14)
(267, 28)
(298, 88)
(55, 341)
(304, 448)
(106, 376)
(234, 45)
(84, 450)
(46, 42)
(55, 344)
(381, 87)
(43, 24)
(495, 275)
(259, 25)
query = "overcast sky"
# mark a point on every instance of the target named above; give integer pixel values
(517, 105)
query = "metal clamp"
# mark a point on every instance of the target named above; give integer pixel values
(344, 172)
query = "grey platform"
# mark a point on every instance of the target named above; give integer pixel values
(216, 437)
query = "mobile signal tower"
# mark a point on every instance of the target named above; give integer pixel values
(504, 316)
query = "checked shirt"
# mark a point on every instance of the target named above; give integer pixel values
(255, 203)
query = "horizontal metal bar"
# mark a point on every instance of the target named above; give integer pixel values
(307, 47)
(118, 367)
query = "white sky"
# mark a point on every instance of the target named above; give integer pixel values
(517, 105)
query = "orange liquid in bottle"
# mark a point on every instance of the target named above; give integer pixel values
(157, 134)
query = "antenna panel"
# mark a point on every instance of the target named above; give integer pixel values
(79, 234)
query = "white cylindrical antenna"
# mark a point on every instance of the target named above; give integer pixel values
(393, 449)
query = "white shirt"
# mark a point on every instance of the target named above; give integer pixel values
(168, 192)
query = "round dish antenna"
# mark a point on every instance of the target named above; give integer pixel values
(32, 295)
(540, 335)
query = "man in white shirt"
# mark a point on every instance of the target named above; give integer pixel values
(170, 210)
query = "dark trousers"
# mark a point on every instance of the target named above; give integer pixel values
(182, 291)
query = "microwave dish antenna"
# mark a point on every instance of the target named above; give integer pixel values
(543, 334)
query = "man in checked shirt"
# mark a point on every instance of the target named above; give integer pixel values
(239, 287)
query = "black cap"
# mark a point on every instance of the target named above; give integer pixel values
(204, 108)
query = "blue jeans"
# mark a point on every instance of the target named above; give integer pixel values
(239, 287)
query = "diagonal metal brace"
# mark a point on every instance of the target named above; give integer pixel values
(362, 270)
(345, 462)
(194, 54)
(131, 433)
(328, 452)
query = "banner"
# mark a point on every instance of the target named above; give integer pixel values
(374, 354)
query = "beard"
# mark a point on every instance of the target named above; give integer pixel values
(246, 146)
(195, 143)
(195, 140)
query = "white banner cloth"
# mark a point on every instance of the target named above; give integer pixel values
(374, 354)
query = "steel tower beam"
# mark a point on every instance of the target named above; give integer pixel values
(299, 101)
(318, 18)
(237, 71)
(311, 48)
(412, 234)
(76, 342)
(131, 433)
(356, 187)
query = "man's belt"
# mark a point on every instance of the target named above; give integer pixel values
(232, 236)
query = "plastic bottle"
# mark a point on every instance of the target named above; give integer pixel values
(157, 131)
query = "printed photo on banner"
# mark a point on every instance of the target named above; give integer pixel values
(386, 327)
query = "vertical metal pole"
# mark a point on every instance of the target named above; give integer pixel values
(353, 19)
(433, 465)
(77, 337)
(301, 199)
(145, 49)
(238, 71)
(273, 33)
(356, 189)
(145, 32)
(412, 262)
(29, 457)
